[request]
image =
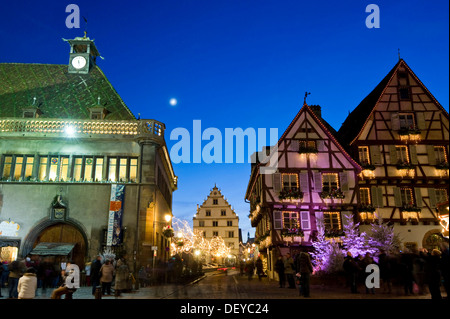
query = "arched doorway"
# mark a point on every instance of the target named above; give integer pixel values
(65, 233)
(432, 239)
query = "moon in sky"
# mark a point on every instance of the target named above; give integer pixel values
(173, 101)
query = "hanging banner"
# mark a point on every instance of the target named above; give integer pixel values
(114, 235)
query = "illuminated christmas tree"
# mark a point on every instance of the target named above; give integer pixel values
(355, 242)
(383, 238)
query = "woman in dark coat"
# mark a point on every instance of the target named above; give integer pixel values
(279, 268)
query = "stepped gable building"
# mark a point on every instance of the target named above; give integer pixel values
(315, 178)
(78, 172)
(216, 218)
(399, 134)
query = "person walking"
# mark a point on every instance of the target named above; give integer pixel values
(249, 269)
(122, 276)
(305, 270)
(279, 268)
(433, 274)
(27, 284)
(15, 272)
(351, 269)
(106, 278)
(95, 273)
(259, 268)
(289, 270)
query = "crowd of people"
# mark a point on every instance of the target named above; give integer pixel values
(414, 272)
(23, 278)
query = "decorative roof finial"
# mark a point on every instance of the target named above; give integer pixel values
(399, 58)
(306, 95)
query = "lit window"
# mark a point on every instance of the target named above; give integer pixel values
(364, 155)
(290, 220)
(123, 169)
(64, 168)
(88, 168)
(402, 154)
(77, 168)
(53, 169)
(441, 195)
(98, 169)
(290, 181)
(133, 169)
(332, 220)
(439, 152)
(7, 167)
(29, 167)
(18, 168)
(112, 169)
(43, 168)
(406, 120)
(330, 181)
(407, 196)
(364, 196)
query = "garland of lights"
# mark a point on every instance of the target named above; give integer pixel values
(187, 240)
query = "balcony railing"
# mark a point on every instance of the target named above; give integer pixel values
(82, 128)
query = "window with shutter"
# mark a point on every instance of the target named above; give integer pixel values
(276, 182)
(304, 183)
(305, 220)
(277, 220)
(317, 181)
(343, 179)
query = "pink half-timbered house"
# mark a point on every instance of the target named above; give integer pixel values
(315, 178)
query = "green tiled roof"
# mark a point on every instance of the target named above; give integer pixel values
(58, 93)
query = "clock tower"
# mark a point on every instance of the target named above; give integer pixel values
(83, 54)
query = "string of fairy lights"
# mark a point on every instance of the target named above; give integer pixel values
(187, 240)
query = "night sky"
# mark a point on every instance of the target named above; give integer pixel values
(236, 63)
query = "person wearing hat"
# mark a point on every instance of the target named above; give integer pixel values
(27, 284)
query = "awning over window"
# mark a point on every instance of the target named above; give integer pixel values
(52, 249)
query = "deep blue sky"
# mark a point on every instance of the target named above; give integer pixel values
(237, 63)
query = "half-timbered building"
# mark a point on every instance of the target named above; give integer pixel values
(400, 136)
(315, 178)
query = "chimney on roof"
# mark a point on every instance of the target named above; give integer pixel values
(317, 110)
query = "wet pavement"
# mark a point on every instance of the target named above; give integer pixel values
(217, 285)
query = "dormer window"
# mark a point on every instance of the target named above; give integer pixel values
(31, 112)
(97, 113)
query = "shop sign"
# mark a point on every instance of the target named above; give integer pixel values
(9, 229)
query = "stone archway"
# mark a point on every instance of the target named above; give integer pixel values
(432, 239)
(59, 232)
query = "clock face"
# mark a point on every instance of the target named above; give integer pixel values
(78, 62)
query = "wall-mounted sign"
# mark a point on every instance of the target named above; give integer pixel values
(9, 229)
(114, 235)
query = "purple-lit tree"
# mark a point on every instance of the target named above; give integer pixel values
(383, 238)
(355, 242)
(328, 256)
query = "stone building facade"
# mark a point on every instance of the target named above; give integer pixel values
(77, 167)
